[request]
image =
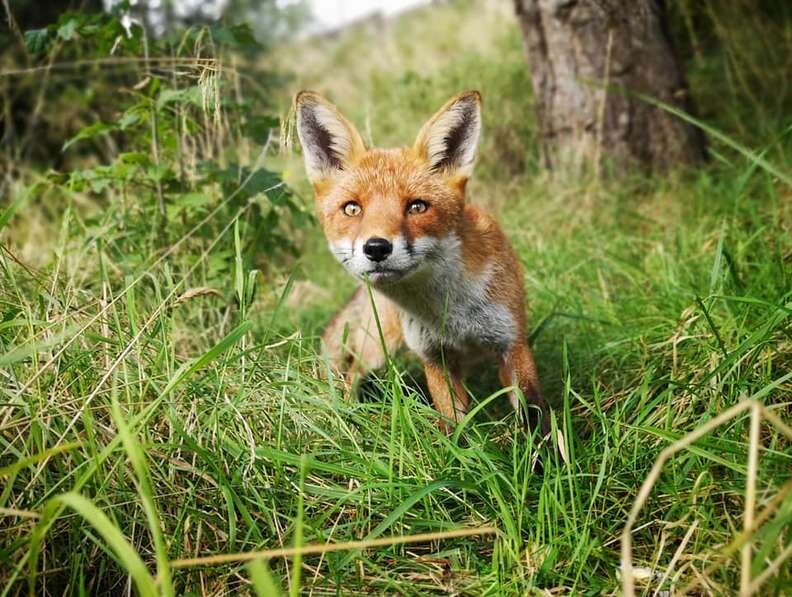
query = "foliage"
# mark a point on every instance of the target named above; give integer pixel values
(271, 21)
(115, 53)
(180, 146)
(739, 50)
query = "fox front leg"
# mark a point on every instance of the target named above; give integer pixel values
(352, 342)
(448, 395)
(518, 369)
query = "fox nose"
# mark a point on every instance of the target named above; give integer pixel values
(377, 249)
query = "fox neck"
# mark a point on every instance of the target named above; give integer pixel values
(448, 313)
(442, 287)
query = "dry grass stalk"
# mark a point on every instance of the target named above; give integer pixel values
(757, 411)
(287, 552)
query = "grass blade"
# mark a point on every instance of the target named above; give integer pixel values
(16, 204)
(12, 469)
(191, 367)
(752, 156)
(138, 460)
(126, 554)
(261, 579)
(54, 508)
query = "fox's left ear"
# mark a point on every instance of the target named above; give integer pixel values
(448, 142)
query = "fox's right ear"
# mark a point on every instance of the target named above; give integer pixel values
(330, 143)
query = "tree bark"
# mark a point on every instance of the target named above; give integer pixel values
(589, 60)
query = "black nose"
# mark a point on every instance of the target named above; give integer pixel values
(377, 248)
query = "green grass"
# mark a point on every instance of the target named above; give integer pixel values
(144, 419)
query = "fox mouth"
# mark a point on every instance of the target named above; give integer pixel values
(387, 274)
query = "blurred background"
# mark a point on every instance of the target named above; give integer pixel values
(734, 56)
(79, 94)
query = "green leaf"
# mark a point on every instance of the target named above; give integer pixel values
(37, 40)
(126, 554)
(187, 202)
(296, 575)
(89, 132)
(135, 157)
(261, 579)
(257, 128)
(188, 95)
(403, 508)
(98, 179)
(22, 198)
(264, 181)
(243, 35)
(68, 29)
(55, 507)
(129, 118)
(17, 466)
(238, 36)
(407, 504)
(196, 199)
(755, 158)
(99, 184)
(190, 367)
(159, 173)
(26, 350)
(138, 460)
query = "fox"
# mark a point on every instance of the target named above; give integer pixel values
(443, 278)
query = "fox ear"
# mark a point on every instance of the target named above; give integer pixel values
(329, 141)
(449, 140)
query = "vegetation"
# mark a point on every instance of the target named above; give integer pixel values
(161, 295)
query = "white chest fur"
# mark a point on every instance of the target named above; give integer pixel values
(446, 309)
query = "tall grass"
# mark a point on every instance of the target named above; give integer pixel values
(156, 410)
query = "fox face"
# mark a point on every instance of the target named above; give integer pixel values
(389, 213)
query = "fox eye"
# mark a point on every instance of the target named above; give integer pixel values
(417, 207)
(352, 209)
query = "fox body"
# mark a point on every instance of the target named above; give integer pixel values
(444, 279)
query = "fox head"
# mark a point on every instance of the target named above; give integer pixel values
(387, 213)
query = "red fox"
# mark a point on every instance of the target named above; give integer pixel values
(444, 279)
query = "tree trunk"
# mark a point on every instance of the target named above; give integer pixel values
(589, 59)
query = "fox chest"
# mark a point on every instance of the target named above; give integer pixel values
(465, 331)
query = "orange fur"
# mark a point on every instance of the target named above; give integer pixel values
(447, 283)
